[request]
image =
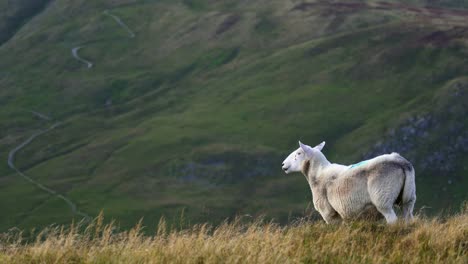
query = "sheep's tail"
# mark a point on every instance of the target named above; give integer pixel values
(407, 196)
(409, 191)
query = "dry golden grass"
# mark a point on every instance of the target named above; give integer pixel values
(423, 241)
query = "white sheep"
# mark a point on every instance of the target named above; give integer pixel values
(342, 192)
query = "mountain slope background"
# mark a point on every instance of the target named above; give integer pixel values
(194, 115)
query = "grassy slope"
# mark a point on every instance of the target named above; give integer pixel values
(423, 241)
(206, 101)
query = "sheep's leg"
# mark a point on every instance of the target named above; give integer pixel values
(333, 220)
(408, 210)
(388, 213)
(331, 217)
(323, 206)
(384, 188)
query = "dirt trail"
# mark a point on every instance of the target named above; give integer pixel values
(40, 115)
(121, 23)
(11, 164)
(76, 56)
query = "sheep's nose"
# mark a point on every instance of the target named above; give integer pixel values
(282, 164)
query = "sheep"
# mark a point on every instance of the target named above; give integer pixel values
(342, 193)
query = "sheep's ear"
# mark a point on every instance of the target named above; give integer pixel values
(305, 148)
(320, 146)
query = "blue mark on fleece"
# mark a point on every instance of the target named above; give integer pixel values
(358, 164)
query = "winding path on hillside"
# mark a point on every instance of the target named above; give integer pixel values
(76, 56)
(41, 115)
(119, 21)
(11, 164)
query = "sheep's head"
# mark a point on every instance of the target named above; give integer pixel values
(295, 161)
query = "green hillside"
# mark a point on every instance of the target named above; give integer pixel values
(194, 114)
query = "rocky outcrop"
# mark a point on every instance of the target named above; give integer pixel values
(437, 140)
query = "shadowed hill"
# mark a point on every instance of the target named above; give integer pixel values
(14, 14)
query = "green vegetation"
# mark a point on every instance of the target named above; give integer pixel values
(197, 112)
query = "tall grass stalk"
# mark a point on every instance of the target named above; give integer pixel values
(426, 240)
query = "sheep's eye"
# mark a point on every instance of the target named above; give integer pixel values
(299, 153)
